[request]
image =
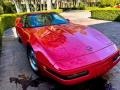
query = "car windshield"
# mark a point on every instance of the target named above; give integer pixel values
(39, 20)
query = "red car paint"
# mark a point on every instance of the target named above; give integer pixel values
(69, 49)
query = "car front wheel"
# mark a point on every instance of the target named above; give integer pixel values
(32, 60)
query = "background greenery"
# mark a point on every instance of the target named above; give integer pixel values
(112, 15)
(99, 8)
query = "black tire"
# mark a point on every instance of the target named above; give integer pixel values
(32, 60)
(19, 40)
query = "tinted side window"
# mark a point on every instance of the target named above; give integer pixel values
(25, 21)
(33, 20)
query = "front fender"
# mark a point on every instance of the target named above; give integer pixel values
(43, 59)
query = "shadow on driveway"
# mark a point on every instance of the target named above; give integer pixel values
(94, 84)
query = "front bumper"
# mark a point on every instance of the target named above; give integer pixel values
(95, 70)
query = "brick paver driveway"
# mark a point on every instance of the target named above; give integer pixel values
(14, 61)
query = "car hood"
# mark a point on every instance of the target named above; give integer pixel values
(68, 41)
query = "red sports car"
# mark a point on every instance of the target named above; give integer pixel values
(69, 53)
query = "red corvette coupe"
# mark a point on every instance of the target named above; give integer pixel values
(69, 53)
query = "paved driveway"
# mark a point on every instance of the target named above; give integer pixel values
(14, 61)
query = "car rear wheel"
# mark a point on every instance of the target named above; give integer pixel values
(32, 60)
(19, 40)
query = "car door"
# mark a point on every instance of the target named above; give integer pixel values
(22, 31)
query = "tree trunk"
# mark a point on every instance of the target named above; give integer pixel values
(74, 3)
(49, 5)
(57, 4)
(17, 6)
(27, 5)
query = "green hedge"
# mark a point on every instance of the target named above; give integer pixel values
(99, 8)
(6, 21)
(112, 15)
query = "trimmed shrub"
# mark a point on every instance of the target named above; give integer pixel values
(98, 8)
(8, 20)
(104, 3)
(112, 15)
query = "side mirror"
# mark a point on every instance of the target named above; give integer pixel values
(18, 22)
